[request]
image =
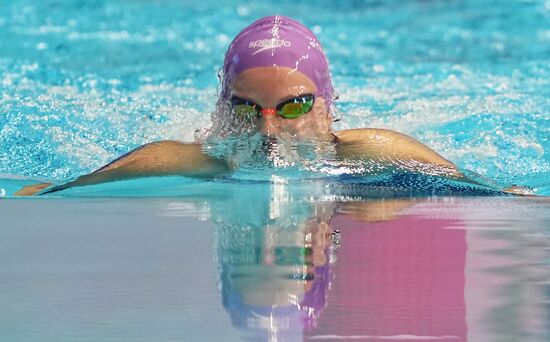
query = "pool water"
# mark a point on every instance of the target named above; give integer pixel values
(85, 81)
(445, 269)
(266, 255)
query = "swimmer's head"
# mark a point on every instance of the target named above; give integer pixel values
(278, 41)
(275, 80)
(275, 279)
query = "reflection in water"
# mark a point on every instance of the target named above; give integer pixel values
(404, 271)
(508, 279)
(455, 269)
(275, 269)
(403, 277)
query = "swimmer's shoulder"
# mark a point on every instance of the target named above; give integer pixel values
(385, 144)
(376, 139)
(361, 135)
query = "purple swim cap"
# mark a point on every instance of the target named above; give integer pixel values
(278, 41)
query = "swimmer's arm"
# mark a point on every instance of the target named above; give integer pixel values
(399, 151)
(161, 158)
(391, 148)
(396, 151)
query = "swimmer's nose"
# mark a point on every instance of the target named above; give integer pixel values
(269, 122)
(268, 112)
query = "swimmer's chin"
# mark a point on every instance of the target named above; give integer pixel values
(277, 152)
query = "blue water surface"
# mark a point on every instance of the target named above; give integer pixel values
(85, 81)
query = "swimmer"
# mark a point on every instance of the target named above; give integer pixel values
(275, 81)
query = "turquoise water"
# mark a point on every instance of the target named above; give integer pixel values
(85, 81)
(167, 269)
(241, 258)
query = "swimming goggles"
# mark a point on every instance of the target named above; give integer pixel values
(288, 109)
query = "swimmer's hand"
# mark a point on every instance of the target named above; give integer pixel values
(520, 190)
(162, 158)
(33, 189)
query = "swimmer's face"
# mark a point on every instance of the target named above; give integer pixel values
(268, 87)
(286, 265)
(281, 275)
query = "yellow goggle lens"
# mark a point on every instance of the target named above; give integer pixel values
(295, 109)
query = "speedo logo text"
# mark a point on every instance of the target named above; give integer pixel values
(265, 44)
